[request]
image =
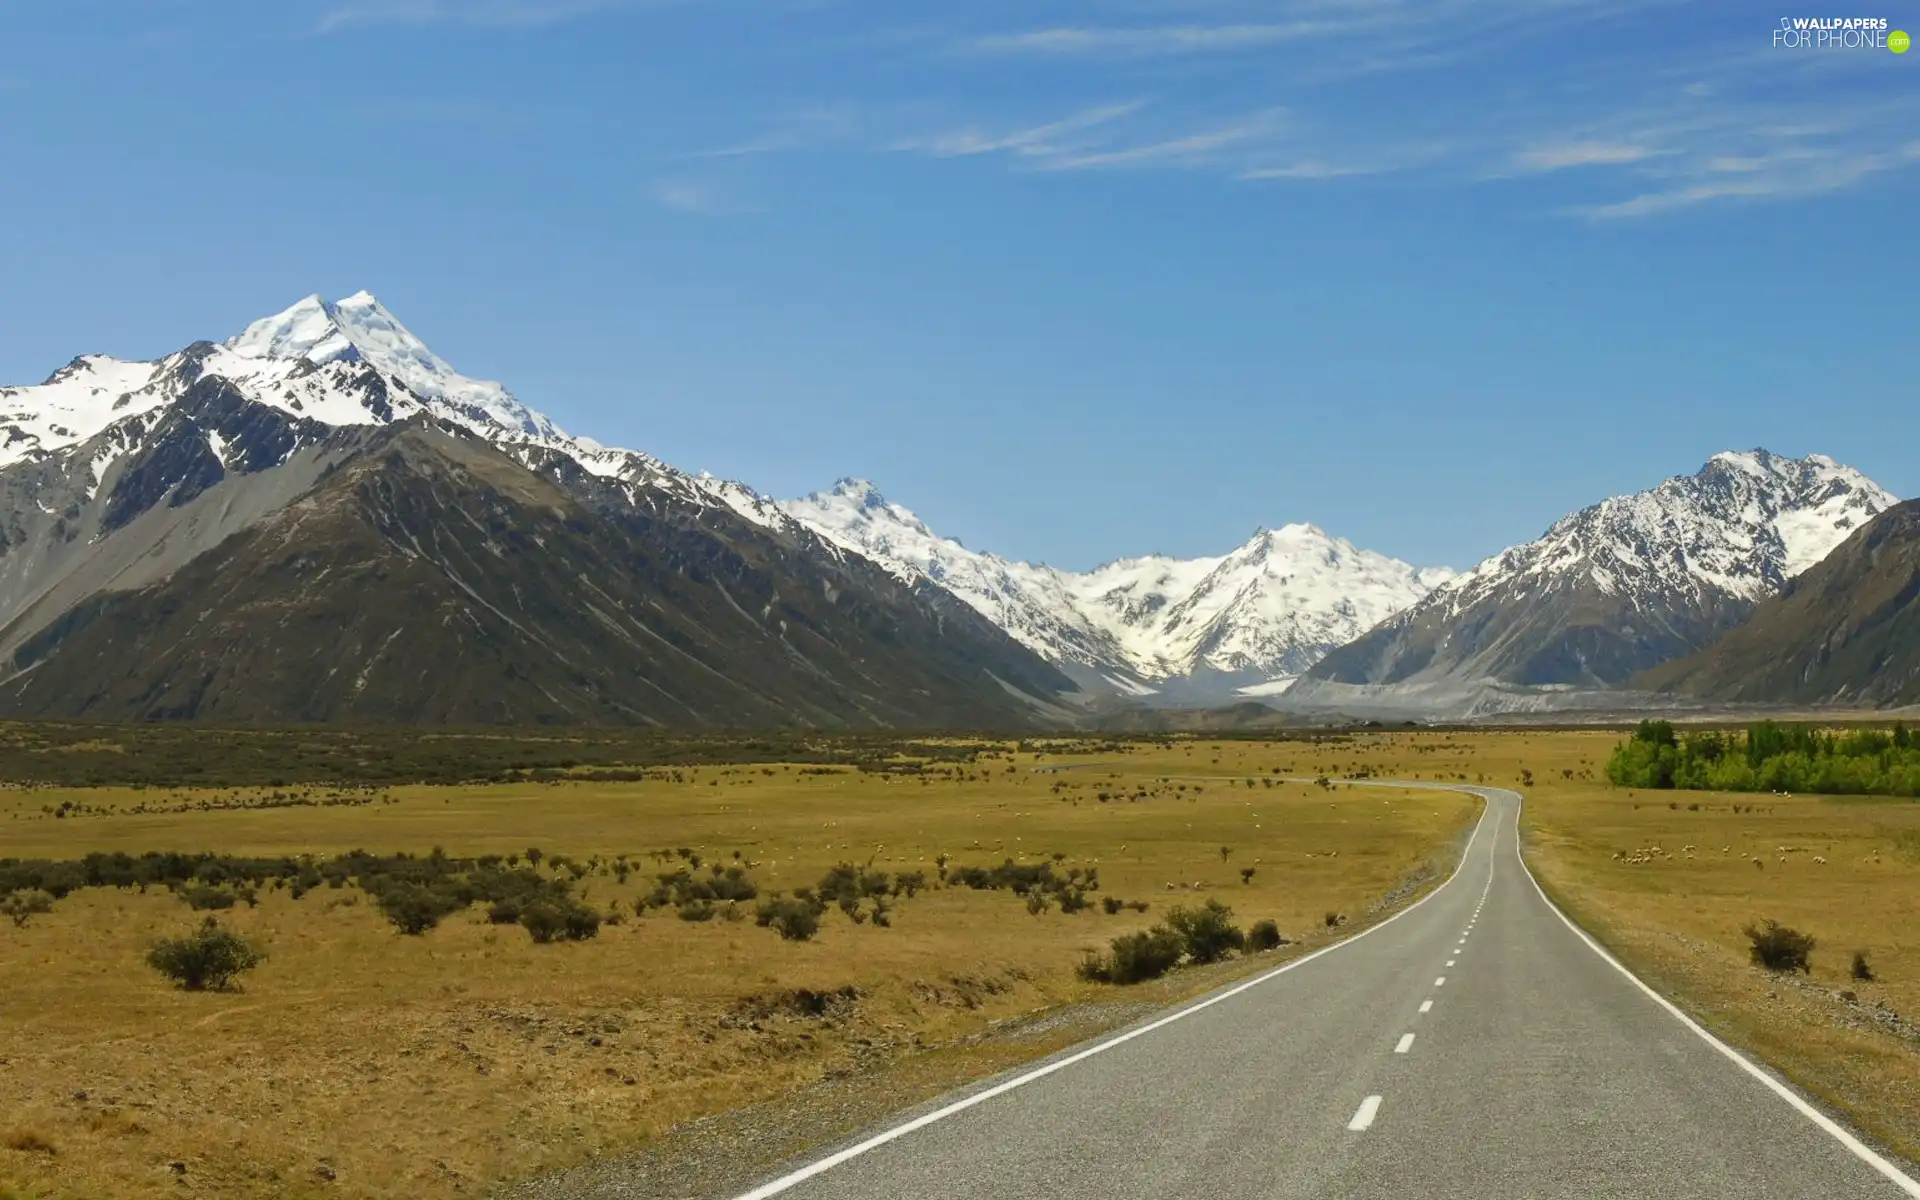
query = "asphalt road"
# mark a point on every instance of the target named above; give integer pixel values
(1476, 1045)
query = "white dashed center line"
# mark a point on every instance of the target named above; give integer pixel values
(1362, 1120)
(1440, 982)
(1451, 961)
(1406, 1044)
(1426, 1006)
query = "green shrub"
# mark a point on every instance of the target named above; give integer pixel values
(25, 904)
(794, 919)
(1778, 948)
(551, 918)
(697, 910)
(1265, 935)
(1862, 969)
(208, 959)
(1111, 905)
(1207, 932)
(202, 898)
(1136, 957)
(581, 922)
(414, 908)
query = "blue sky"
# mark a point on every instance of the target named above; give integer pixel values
(1073, 280)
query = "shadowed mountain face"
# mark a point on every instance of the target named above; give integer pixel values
(1845, 632)
(430, 578)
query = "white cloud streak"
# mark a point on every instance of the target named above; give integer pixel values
(1581, 154)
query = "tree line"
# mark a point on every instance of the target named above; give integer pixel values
(1769, 757)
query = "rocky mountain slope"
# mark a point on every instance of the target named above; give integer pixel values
(1844, 632)
(1177, 629)
(1616, 588)
(321, 520)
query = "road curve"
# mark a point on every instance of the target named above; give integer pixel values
(1476, 1045)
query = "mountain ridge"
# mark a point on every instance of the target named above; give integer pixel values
(633, 591)
(1153, 624)
(1613, 589)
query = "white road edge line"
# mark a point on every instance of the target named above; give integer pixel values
(1406, 1044)
(820, 1166)
(1834, 1129)
(1363, 1120)
(1426, 1006)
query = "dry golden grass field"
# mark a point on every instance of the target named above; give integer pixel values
(360, 1062)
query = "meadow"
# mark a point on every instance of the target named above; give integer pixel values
(359, 1061)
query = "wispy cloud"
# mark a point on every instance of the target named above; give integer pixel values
(693, 198)
(1445, 93)
(1107, 136)
(1186, 150)
(1581, 154)
(1313, 169)
(1036, 141)
(1780, 177)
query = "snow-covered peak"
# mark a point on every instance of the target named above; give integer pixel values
(1744, 524)
(1267, 610)
(305, 330)
(360, 329)
(862, 514)
(344, 362)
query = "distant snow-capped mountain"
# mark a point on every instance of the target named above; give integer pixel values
(319, 519)
(322, 363)
(1248, 621)
(1615, 588)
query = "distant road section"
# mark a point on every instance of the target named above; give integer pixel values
(1477, 1045)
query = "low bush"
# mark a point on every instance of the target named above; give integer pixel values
(1264, 935)
(1208, 932)
(208, 959)
(201, 898)
(1862, 969)
(1136, 957)
(414, 908)
(793, 918)
(1779, 948)
(25, 904)
(1111, 905)
(553, 918)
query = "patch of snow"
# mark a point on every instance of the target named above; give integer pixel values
(1277, 686)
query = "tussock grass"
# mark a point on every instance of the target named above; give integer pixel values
(439, 1063)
